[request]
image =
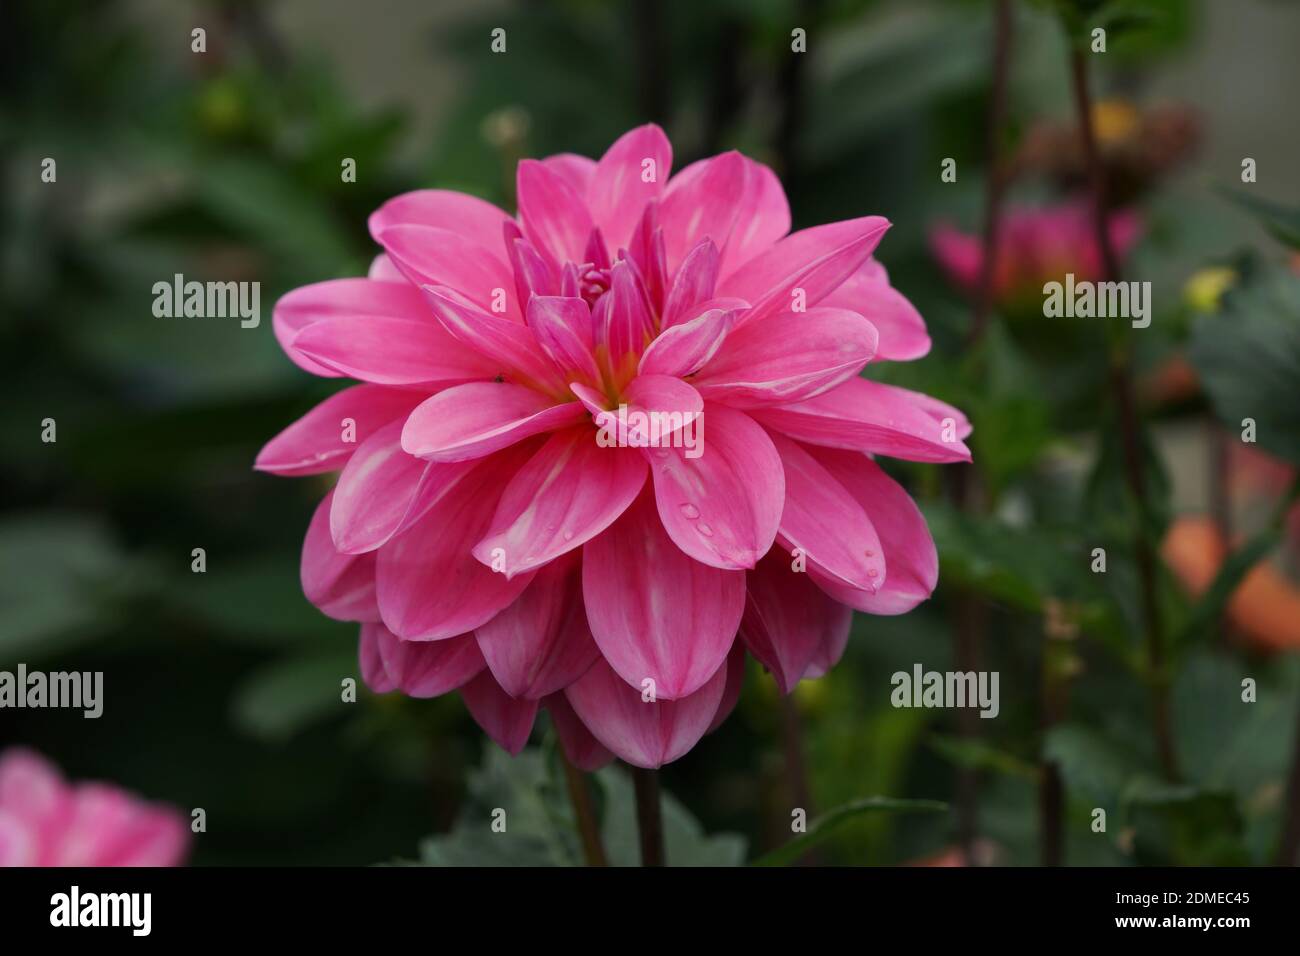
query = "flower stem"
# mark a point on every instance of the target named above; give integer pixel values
(1121, 374)
(649, 819)
(593, 850)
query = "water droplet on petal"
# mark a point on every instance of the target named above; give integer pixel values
(690, 510)
(568, 535)
(868, 552)
(872, 572)
(706, 530)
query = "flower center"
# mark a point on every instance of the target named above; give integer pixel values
(593, 282)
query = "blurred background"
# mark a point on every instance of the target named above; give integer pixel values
(222, 688)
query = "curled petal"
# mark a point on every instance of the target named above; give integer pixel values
(813, 262)
(342, 586)
(789, 620)
(425, 668)
(909, 549)
(541, 643)
(735, 667)
(338, 298)
(645, 733)
(632, 173)
(439, 257)
(702, 203)
(325, 438)
(903, 335)
(567, 493)
(721, 500)
(656, 614)
(392, 351)
(826, 523)
(506, 720)
(684, 348)
(861, 415)
(473, 420)
(467, 216)
(554, 217)
(582, 749)
(428, 588)
(788, 358)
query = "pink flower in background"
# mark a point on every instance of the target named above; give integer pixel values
(1036, 246)
(45, 821)
(488, 543)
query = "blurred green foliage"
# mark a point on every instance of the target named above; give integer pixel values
(223, 688)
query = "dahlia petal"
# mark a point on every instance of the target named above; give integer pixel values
(157, 836)
(693, 283)
(815, 260)
(391, 351)
(862, 415)
(582, 749)
(655, 613)
(473, 420)
(908, 547)
(19, 845)
(703, 205)
(618, 190)
(507, 721)
(826, 523)
(554, 216)
(563, 329)
(342, 586)
(427, 588)
(31, 786)
(510, 345)
(371, 662)
(788, 619)
(722, 507)
(426, 668)
(676, 403)
(334, 299)
(762, 218)
(467, 216)
(567, 493)
(644, 733)
(788, 358)
(315, 444)
(533, 274)
(382, 270)
(541, 643)
(684, 348)
(430, 256)
(573, 169)
(735, 667)
(903, 335)
(647, 252)
(374, 491)
(628, 322)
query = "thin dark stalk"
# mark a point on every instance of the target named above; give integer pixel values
(970, 614)
(1051, 790)
(593, 850)
(995, 181)
(1121, 375)
(649, 818)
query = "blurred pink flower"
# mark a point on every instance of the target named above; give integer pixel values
(44, 821)
(486, 539)
(1036, 246)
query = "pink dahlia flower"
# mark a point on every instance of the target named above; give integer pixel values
(491, 537)
(44, 821)
(1037, 245)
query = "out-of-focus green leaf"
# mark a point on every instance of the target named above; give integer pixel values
(1281, 220)
(823, 827)
(1248, 357)
(978, 754)
(285, 697)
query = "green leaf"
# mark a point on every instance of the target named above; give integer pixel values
(284, 698)
(1281, 220)
(1248, 357)
(821, 829)
(976, 754)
